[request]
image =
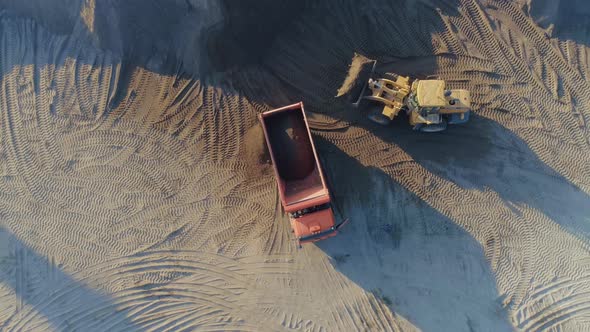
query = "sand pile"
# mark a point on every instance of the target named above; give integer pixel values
(135, 192)
(255, 154)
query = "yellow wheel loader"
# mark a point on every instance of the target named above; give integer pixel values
(428, 104)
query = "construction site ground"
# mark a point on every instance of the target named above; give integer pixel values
(136, 193)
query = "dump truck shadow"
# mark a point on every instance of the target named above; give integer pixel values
(42, 288)
(408, 254)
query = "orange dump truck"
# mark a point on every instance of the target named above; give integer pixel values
(302, 187)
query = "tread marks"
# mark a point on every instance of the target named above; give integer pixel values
(579, 87)
(202, 289)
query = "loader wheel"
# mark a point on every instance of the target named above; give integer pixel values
(434, 128)
(376, 115)
(391, 76)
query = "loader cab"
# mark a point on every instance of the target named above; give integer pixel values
(430, 94)
(431, 107)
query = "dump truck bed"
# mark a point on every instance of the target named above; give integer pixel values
(294, 158)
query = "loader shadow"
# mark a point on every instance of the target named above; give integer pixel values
(481, 154)
(417, 261)
(484, 155)
(47, 291)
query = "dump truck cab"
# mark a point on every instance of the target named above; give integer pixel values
(303, 192)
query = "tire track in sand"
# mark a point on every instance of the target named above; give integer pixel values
(189, 290)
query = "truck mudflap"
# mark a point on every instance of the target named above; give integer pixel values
(322, 235)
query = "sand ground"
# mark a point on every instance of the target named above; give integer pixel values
(135, 193)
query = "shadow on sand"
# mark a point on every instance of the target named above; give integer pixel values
(565, 20)
(62, 303)
(423, 264)
(162, 37)
(419, 262)
(484, 155)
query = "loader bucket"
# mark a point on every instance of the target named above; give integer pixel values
(376, 115)
(355, 84)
